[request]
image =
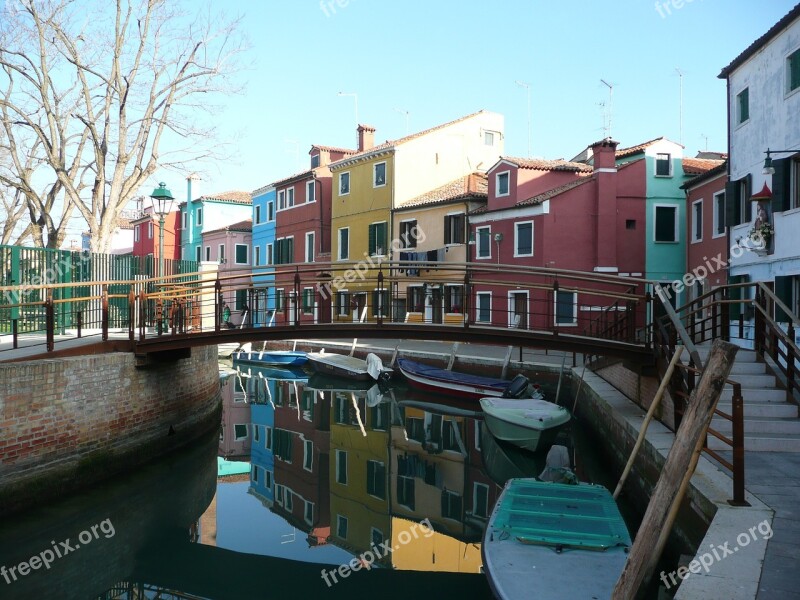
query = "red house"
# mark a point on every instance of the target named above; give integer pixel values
(564, 215)
(146, 230)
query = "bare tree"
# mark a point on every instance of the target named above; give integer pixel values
(98, 95)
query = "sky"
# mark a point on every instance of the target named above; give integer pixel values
(438, 60)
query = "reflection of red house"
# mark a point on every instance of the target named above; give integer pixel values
(563, 215)
(301, 447)
(146, 232)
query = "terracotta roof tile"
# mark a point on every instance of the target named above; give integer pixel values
(238, 196)
(388, 144)
(696, 166)
(245, 226)
(332, 149)
(299, 175)
(474, 185)
(623, 152)
(706, 175)
(539, 198)
(548, 165)
(760, 42)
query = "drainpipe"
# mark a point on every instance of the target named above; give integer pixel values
(319, 202)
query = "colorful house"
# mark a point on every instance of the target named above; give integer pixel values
(230, 247)
(234, 437)
(206, 213)
(764, 197)
(369, 184)
(433, 228)
(146, 230)
(303, 237)
(263, 300)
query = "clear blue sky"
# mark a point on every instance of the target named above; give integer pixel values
(441, 59)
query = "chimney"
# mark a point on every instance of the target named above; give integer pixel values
(605, 174)
(366, 137)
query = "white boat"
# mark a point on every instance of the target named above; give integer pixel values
(554, 541)
(349, 367)
(529, 424)
(225, 350)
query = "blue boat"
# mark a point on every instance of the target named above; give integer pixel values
(265, 372)
(278, 358)
(561, 541)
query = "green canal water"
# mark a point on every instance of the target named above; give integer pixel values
(309, 490)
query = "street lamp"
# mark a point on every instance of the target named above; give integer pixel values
(162, 206)
(768, 168)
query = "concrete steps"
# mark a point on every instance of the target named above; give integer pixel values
(770, 423)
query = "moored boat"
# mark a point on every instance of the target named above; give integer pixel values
(349, 367)
(529, 424)
(464, 385)
(277, 358)
(563, 541)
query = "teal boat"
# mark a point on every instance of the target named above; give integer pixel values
(554, 541)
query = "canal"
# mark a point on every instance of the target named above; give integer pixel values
(312, 487)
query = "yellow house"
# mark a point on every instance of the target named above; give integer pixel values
(432, 550)
(433, 226)
(368, 185)
(359, 471)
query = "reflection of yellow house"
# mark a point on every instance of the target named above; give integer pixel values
(369, 184)
(439, 220)
(359, 467)
(436, 552)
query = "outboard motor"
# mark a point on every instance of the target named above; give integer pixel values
(518, 388)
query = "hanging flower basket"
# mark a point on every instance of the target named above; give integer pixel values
(762, 234)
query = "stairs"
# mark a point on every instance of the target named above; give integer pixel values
(770, 423)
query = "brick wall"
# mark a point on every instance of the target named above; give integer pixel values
(640, 389)
(67, 422)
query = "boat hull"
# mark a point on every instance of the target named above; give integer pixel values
(275, 358)
(535, 433)
(452, 386)
(340, 365)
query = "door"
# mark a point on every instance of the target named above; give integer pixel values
(518, 317)
(292, 308)
(436, 305)
(359, 303)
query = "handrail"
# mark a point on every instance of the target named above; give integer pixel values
(788, 311)
(680, 329)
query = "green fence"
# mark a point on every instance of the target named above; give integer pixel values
(20, 266)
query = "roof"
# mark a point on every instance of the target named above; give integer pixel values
(332, 149)
(697, 166)
(245, 226)
(761, 42)
(548, 165)
(707, 175)
(473, 185)
(299, 175)
(388, 144)
(236, 196)
(623, 152)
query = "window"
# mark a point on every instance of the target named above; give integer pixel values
(377, 239)
(484, 242)
(208, 253)
(377, 536)
(381, 300)
(150, 230)
(282, 444)
(257, 255)
(663, 165)
(341, 467)
(455, 227)
(240, 431)
(451, 505)
(136, 233)
(666, 224)
(270, 211)
(416, 298)
(197, 252)
(279, 299)
(793, 71)
(242, 257)
(308, 512)
(311, 191)
(523, 239)
(290, 197)
(480, 499)
(376, 479)
(284, 251)
(199, 216)
(269, 254)
(308, 301)
(267, 479)
(241, 299)
(287, 499)
(451, 434)
(221, 253)
(256, 429)
(408, 234)
(630, 224)
(379, 417)
(343, 303)
(454, 299)
(309, 246)
(379, 174)
(488, 138)
(719, 214)
(743, 106)
(405, 491)
(258, 214)
(254, 473)
(308, 455)
(483, 308)
(697, 221)
(267, 437)
(341, 527)
(344, 184)
(314, 161)
(794, 201)
(281, 199)
(185, 215)
(344, 243)
(415, 428)
(501, 184)
(566, 312)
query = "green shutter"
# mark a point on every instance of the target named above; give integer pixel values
(732, 203)
(783, 290)
(290, 250)
(781, 185)
(748, 207)
(372, 243)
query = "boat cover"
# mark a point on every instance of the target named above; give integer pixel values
(581, 516)
(444, 375)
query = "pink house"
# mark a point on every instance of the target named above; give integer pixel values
(558, 214)
(230, 247)
(234, 438)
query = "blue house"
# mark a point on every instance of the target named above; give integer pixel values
(262, 460)
(208, 213)
(263, 301)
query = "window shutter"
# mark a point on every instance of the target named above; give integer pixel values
(447, 236)
(781, 185)
(783, 290)
(290, 250)
(748, 207)
(732, 203)
(371, 245)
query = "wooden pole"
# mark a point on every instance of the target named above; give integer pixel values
(649, 417)
(669, 488)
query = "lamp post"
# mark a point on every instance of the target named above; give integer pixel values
(162, 206)
(768, 168)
